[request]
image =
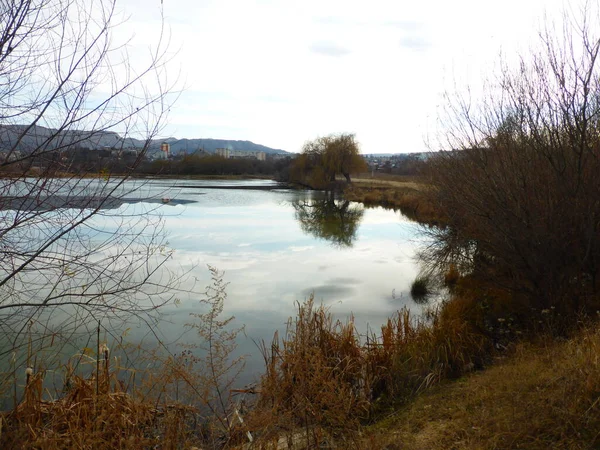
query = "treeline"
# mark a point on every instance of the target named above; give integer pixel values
(72, 160)
(217, 165)
(82, 161)
(405, 165)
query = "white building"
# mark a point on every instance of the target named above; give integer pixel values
(165, 148)
(226, 153)
(223, 152)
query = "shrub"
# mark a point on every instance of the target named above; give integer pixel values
(518, 182)
(420, 289)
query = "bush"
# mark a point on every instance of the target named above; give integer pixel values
(420, 289)
(519, 183)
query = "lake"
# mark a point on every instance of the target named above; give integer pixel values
(275, 246)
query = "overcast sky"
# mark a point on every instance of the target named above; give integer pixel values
(280, 72)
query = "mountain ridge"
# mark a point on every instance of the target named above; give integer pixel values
(51, 139)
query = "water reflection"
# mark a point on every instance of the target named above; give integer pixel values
(276, 247)
(78, 202)
(335, 221)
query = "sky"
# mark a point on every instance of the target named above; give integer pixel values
(281, 72)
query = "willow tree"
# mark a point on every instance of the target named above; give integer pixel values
(325, 157)
(334, 221)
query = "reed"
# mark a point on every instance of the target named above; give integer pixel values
(413, 203)
(323, 381)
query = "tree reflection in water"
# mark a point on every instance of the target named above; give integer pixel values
(333, 220)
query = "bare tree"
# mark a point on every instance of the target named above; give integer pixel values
(74, 250)
(518, 179)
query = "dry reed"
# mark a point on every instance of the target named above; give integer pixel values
(323, 381)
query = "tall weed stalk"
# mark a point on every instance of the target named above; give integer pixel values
(323, 380)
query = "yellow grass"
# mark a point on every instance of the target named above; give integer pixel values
(94, 414)
(408, 194)
(544, 396)
(365, 181)
(323, 381)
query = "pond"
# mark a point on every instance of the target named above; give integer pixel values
(275, 246)
(278, 246)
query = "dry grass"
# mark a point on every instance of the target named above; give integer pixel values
(369, 179)
(323, 381)
(315, 380)
(325, 386)
(412, 355)
(95, 413)
(544, 396)
(407, 196)
(141, 399)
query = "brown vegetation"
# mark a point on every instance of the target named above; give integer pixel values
(323, 380)
(519, 188)
(413, 203)
(543, 396)
(95, 412)
(165, 400)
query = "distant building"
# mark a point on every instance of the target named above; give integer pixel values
(223, 152)
(165, 148)
(227, 153)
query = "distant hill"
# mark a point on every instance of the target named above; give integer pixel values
(41, 136)
(210, 145)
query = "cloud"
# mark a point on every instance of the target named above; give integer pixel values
(405, 25)
(327, 48)
(301, 248)
(416, 43)
(343, 280)
(413, 34)
(331, 20)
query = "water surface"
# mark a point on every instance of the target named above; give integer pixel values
(277, 247)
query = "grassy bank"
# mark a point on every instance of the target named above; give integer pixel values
(408, 194)
(415, 385)
(439, 383)
(541, 396)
